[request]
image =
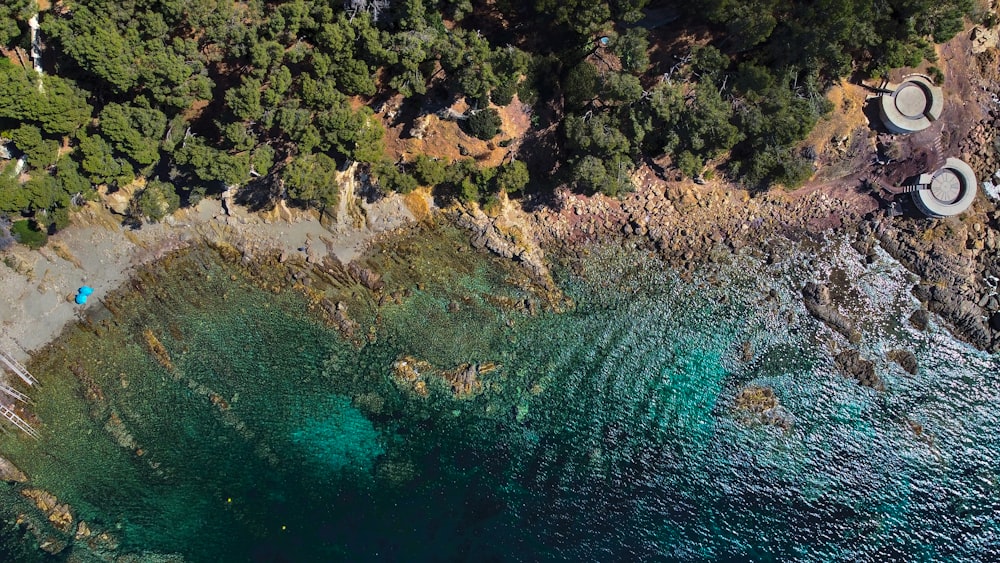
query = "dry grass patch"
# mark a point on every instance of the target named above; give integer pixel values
(418, 202)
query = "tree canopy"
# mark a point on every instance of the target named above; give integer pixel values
(213, 93)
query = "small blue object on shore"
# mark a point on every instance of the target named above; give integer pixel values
(82, 294)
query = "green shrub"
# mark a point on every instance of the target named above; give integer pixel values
(484, 124)
(27, 233)
(689, 164)
(156, 201)
(390, 178)
(512, 176)
(936, 75)
(429, 171)
(503, 94)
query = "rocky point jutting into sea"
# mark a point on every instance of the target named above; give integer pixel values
(688, 372)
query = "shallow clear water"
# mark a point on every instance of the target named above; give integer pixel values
(606, 433)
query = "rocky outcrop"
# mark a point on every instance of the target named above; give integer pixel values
(905, 359)
(118, 201)
(691, 225)
(983, 39)
(509, 234)
(82, 542)
(852, 365)
(58, 514)
(368, 278)
(958, 262)
(464, 381)
(760, 405)
(920, 319)
(408, 373)
(818, 303)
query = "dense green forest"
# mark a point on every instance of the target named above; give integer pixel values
(274, 96)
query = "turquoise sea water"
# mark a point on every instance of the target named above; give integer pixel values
(607, 432)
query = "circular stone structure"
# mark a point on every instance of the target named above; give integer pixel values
(951, 190)
(912, 105)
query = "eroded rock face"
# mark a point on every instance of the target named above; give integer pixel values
(368, 278)
(510, 234)
(852, 365)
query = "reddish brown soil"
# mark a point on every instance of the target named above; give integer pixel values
(444, 138)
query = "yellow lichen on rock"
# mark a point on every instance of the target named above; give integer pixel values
(58, 514)
(761, 405)
(464, 381)
(756, 399)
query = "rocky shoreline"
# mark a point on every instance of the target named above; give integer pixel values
(956, 259)
(688, 225)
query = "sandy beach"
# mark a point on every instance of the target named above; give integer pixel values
(37, 287)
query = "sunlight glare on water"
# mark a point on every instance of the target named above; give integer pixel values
(606, 432)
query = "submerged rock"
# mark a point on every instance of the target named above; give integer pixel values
(756, 399)
(157, 349)
(51, 544)
(760, 404)
(819, 304)
(920, 319)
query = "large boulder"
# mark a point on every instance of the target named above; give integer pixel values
(10, 473)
